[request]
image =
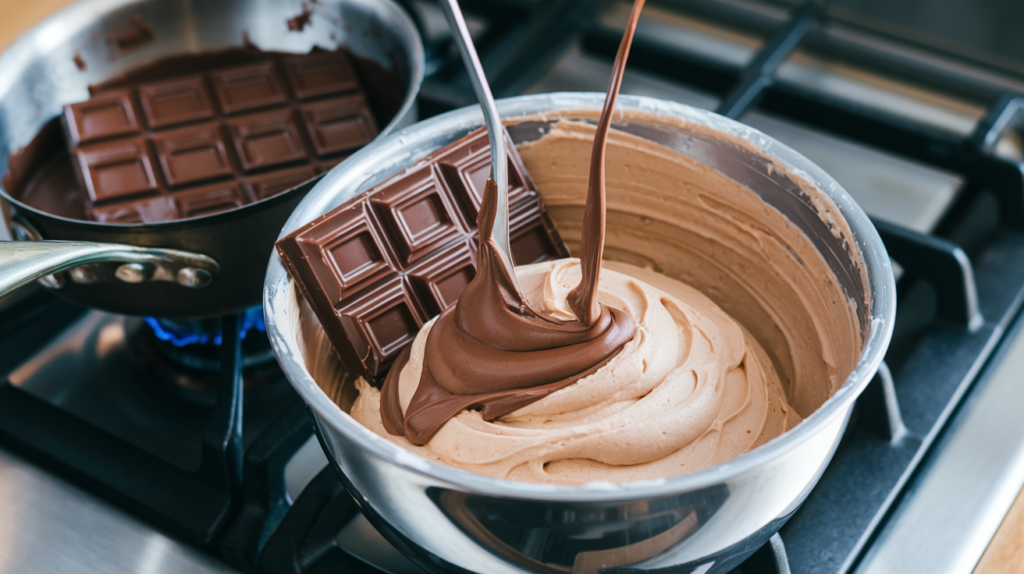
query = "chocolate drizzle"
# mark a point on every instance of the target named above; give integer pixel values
(583, 299)
(493, 350)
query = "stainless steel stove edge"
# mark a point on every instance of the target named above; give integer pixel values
(967, 482)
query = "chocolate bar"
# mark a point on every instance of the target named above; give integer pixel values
(206, 142)
(376, 268)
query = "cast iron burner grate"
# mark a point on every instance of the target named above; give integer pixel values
(962, 287)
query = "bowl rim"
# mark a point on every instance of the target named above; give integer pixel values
(18, 55)
(360, 167)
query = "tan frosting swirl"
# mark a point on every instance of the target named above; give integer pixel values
(691, 389)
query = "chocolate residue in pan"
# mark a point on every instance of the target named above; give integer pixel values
(133, 35)
(42, 176)
(79, 62)
(299, 23)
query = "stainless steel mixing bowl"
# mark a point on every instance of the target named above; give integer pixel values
(706, 521)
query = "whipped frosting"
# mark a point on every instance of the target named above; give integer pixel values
(669, 212)
(691, 389)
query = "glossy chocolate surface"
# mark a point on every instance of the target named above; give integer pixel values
(213, 139)
(376, 268)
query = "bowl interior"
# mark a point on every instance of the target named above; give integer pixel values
(823, 311)
(786, 274)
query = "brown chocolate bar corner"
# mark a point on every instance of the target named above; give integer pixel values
(376, 268)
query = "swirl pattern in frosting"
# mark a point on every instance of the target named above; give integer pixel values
(495, 351)
(691, 388)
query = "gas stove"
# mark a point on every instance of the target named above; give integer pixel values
(142, 445)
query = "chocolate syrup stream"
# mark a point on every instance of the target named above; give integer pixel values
(493, 350)
(583, 299)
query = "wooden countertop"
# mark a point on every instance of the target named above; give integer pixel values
(20, 15)
(1005, 554)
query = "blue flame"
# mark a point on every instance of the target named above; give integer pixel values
(203, 331)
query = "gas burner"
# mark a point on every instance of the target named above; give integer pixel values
(184, 356)
(188, 332)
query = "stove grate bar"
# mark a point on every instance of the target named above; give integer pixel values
(307, 538)
(771, 558)
(849, 119)
(265, 500)
(759, 73)
(941, 263)
(997, 119)
(981, 171)
(880, 408)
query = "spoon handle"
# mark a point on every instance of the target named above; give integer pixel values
(495, 130)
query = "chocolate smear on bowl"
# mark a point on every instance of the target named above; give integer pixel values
(133, 35)
(299, 23)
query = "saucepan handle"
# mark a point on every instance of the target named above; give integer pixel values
(22, 262)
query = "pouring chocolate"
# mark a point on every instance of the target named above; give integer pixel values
(494, 350)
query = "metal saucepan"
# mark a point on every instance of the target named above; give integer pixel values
(196, 267)
(707, 521)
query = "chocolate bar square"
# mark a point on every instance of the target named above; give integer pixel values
(347, 256)
(192, 155)
(408, 251)
(328, 164)
(466, 174)
(105, 116)
(273, 183)
(173, 102)
(266, 139)
(152, 210)
(320, 75)
(529, 235)
(116, 170)
(339, 124)
(209, 200)
(418, 215)
(441, 279)
(240, 124)
(381, 325)
(248, 87)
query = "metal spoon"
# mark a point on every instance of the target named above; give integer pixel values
(495, 131)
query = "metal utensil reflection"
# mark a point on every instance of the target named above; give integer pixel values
(495, 129)
(24, 261)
